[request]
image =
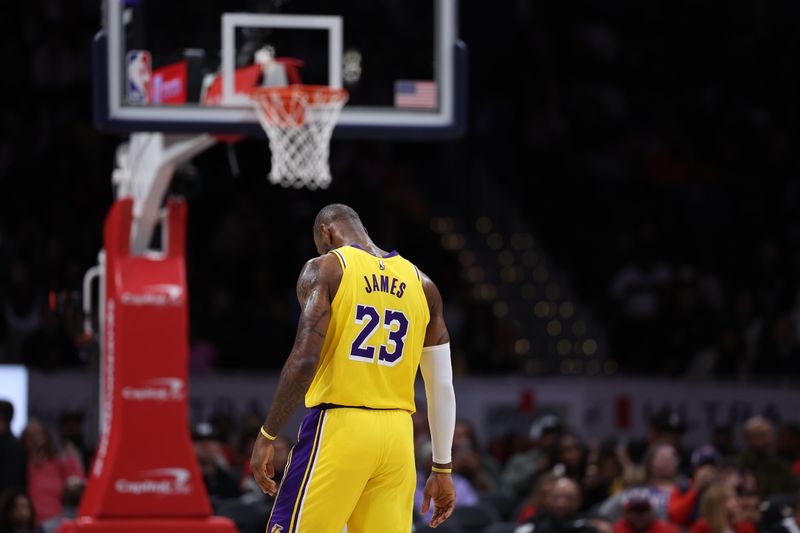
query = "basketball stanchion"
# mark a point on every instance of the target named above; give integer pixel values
(144, 476)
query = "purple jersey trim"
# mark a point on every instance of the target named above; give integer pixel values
(341, 258)
(417, 271)
(386, 256)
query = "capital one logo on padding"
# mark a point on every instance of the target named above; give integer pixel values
(156, 389)
(158, 481)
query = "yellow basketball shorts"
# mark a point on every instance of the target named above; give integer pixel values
(350, 466)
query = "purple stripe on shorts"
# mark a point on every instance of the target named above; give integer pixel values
(292, 483)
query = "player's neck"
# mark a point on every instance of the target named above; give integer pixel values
(367, 245)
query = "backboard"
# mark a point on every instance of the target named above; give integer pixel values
(187, 67)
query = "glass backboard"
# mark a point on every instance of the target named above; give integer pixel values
(179, 66)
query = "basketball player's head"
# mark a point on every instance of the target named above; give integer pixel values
(335, 226)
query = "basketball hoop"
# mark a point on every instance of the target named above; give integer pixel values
(299, 121)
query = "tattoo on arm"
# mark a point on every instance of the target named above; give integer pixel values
(298, 371)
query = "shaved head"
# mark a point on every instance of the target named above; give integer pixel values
(336, 224)
(335, 213)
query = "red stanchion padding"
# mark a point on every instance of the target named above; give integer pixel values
(144, 476)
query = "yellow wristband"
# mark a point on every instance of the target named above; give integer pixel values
(267, 435)
(442, 470)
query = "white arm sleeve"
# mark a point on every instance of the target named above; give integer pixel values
(437, 372)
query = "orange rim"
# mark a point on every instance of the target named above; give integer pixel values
(321, 92)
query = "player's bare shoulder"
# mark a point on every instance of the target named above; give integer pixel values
(432, 293)
(319, 272)
(436, 333)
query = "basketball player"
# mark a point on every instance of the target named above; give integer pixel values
(368, 320)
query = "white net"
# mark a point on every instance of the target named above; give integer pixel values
(299, 121)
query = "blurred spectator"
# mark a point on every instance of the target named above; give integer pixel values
(601, 524)
(664, 425)
(540, 498)
(13, 458)
(223, 427)
(788, 444)
(22, 309)
(720, 512)
(17, 514)
(466, 494)
(419, 419)
(791, 523)
(780, 354)
(636, 294)
(570, 458)
(722, 440)
(684, 502)
(661, 479)
(562, 513)
(220, 483)
(50, 346)
(750, 508)
(638, 515)
(70, 500)
(773, 475)
(521, 469)
(48, 472)
(480, 469)
(603, 473)
(71, 428)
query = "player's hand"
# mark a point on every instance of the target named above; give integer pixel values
(261, 465)
(439, 487)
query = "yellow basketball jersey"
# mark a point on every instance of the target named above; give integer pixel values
(374, 341)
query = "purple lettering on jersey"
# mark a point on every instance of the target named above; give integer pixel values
(368, 288)
(384, 283)
(394, 286)
(397, 337)
(375, 285)
(402, 290)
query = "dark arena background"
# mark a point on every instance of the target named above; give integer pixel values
(614, 229)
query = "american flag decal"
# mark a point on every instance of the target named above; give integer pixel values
(415, 94)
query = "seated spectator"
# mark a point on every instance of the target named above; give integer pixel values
(773, 475)
(70, 425)
(13, 459)
(16, 513)
(538, 500)
(684, 502)
(570, 458)
(480, 469)
(521, 469)
(788, 445)
(223, 428)
(603, 476)
(220, 483)
(562, 512)
(790, 524)
(638, 515)
(723, 441)
(601, 524)
(720, 512)
(661, 475)
(70, 500)
(466, 494)
(665, 425)
(48, 472)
